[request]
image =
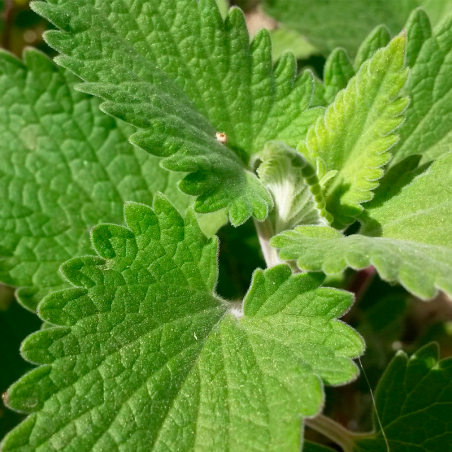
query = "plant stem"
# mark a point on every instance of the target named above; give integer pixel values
(362, 282)
(7, 18)
(334, 431)
(265, 232)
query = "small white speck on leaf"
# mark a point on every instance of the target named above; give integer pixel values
(221, 137)
(196, 337)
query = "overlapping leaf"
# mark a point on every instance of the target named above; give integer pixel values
(339, 69)
(295, 188)
(414, 402)
(428, 127)
(66, 166)
(15, 325)
(174, 69)
(427, 130)
(284, 40)
(408, 237)
(330, 23)
(146, 357)
(358, 129)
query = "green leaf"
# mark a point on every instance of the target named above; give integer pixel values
(414, 402)
(338, 72)
(176, 71)
(328, 24)
(428, 127)
(358, 129)
(378, 38)
(15, 325)
(66, 167)
(407, 238)
(296, 190)
(284, 40)
(147, 357)
(223, 6)
(427, 130)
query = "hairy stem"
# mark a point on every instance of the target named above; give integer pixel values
(334, 431)
(265, 232)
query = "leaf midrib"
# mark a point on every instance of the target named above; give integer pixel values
(149, 332)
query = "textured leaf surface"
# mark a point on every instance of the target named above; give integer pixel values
(428, 127)
(335, 23)
(357, 131)
(378, 38)
(15, 325)
(147, 357)
(427, 130)
(296, 190)
(66, 166)
(339, 70)
(174, 69)
(414, 402)
(407, 238)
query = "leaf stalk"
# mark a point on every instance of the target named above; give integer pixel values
(334, 431)
(265, 231)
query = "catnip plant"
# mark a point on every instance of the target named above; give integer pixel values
(159, 122)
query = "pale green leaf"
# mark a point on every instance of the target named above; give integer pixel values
(338, 71)
(377, 39)
(296, 190)
(407, 238)
(176, 70)
(428, 127)
(357, 131)
(288, 40)
(414, 402)
(427, 130)
(223, 6)
(145, 356)
(328, 24)
(65, 167)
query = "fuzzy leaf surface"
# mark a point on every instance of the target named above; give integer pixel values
(406, 238)
(178, 72)
(331, 23)
(152, 359)
(414, 402)
(357, 131)
(427, 130)
(339, 69)
(295, 187)
(66, 167)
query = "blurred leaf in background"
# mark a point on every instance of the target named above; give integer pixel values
(289, 40)
(328, 24)
(21, 27)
